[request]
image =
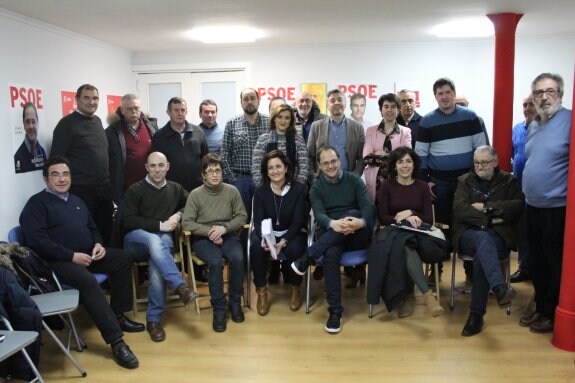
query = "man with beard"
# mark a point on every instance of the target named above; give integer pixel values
(344, 134)
(487, 207)
(407, 115)
(545, 188)
(306, 112)
(240, 136)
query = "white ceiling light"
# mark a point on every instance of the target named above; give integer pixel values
(225, 34)
(468, 27)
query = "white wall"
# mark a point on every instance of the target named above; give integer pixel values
(39, 55)
(417, 65)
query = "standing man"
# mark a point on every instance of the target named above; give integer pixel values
(518, 139)
(240, 137)
(545, 188)
(461, 100)
(152, 211)
(488, 205)
(30, 155)
(446, 140)
(57, 225)
(307, 111)
(129, 143)
(357, 105)
(345, 216)
(213, 132)
(407, 115)
(80, 138)
(344, 134)
(183, 144)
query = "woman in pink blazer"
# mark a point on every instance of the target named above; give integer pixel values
(380, 140)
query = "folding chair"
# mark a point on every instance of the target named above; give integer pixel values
(15, 235)
(178, 260)
(17, 341)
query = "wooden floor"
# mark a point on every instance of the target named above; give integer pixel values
(293, 347)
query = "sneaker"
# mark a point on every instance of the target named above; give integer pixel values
(333, 324)
(300, 265)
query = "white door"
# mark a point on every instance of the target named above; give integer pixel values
(156, 89)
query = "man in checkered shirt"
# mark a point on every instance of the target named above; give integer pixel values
(240, 137)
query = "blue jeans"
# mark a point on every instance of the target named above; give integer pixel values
(245, 185)
(214, 256)
(157, 249)
(487, 249)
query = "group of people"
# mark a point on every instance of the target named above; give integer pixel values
(211, 180)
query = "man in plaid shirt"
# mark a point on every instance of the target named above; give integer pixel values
(240, 136)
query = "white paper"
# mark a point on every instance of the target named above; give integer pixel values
(269, 237)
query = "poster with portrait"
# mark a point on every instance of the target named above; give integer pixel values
(26, 114)
(319, 93)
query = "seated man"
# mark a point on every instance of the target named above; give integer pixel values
(213, 213)
(487, 207)
(152, 211)
(345, 216)
(59, 228)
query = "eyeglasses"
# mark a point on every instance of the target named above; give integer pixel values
(482, 163)
(212, 172)
(551, 92)
(58, 175)
(325, 164)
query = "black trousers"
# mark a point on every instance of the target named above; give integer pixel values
(546, 228)
(101, 207)
(117, 264)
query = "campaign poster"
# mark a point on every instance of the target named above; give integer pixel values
(319, 93)
(114, 103)
(26, 114)
(68, 102)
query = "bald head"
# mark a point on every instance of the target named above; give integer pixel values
(461, 100)
(529, 111)
(157, 167)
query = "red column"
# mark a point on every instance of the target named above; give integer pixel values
(564, 334)
(505, 25)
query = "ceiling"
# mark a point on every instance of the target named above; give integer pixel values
(152, 25)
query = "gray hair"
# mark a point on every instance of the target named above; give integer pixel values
(486, 148)
(129, 97)
(552, 76)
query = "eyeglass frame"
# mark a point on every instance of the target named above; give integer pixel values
(550, 92)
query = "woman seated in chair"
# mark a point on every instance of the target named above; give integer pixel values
(407, 200)
(282, 200)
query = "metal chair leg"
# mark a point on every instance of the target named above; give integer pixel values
(452, 299)
(307, 289)
(64, 349)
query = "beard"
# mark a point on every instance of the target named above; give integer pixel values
(548, 107)
(250, 110)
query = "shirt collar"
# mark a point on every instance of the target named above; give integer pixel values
(154, 186)
(63, 196)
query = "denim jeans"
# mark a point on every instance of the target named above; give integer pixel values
(157, 249)
(214, 256)
(331, 245)
(245, 185)
(487, 249)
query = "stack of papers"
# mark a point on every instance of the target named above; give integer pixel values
(269, 237)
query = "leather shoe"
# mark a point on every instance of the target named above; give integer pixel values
(186, 294)
(128, 325)
(157, 333)
(541, 325)
(219, 321)
(527, 320)
(236, 312)
(124, 356)
(504, 295)
(519, 276)
(473, 325)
